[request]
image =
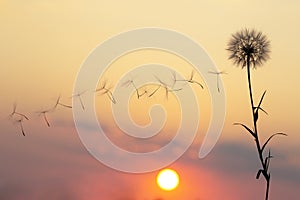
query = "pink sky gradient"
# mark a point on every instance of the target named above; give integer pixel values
(43, 44)
(53, 164)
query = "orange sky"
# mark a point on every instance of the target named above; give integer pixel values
(44, 43)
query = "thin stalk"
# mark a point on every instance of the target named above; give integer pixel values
(268, 187)
(259, 151)
(253, 113)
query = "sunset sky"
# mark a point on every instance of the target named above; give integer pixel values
(43, 45)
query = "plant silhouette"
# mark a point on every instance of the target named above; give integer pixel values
(249, 48)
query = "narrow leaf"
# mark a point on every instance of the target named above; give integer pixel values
(260, 108)
(267, 160)
(265, 144)
(261, 99)
(258, 173)
(256, 109)
(248, 129)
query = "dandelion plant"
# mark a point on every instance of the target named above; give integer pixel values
(250, 48)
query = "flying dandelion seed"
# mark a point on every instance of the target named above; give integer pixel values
(217, 74)
(154, 91)
(131, 82)
(57, 103)
(145, 92)
(190, 80)
(104, 89)
(20, 122)
(43, 113)
(78, 95)
(15, 112)
(166, 87)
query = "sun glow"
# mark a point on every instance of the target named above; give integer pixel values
(167, 179)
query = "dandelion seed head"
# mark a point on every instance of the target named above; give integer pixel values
(248, 44)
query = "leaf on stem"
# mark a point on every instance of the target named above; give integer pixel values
(248, 129)
(265, 144)
(267, 160)
(260, 108)
(261, 99)
(256, 109)
(258, 173)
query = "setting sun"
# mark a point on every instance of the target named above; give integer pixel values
(167, 179)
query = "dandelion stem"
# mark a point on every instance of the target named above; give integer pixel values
(253, 112)
(259, 151)
(268, 187)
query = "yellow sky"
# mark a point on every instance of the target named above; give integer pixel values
(43, 44)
